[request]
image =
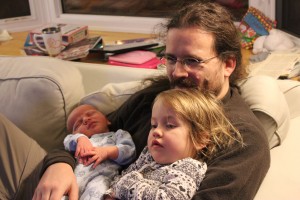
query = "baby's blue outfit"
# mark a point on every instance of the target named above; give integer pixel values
(93, 183)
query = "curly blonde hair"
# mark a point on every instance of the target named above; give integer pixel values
(203, 112)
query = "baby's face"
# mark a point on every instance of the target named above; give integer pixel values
(87, 120)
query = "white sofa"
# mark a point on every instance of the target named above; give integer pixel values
(37, 93)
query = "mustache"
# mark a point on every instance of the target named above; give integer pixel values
(183, 83)
(188, 83)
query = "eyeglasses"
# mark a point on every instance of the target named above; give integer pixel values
(191, 63)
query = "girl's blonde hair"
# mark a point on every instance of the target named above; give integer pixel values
(209, 127)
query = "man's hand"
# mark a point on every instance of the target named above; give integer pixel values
(58, 180)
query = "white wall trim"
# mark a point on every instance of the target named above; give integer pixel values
(265, 6)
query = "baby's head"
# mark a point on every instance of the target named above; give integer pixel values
(87, 120)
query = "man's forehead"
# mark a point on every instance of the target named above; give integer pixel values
(189, 30)
(194, 46)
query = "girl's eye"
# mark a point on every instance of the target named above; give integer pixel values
(170, 126)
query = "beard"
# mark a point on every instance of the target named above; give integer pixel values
(185, 83)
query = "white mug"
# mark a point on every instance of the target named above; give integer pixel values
(52, 38)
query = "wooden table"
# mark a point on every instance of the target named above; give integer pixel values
(14, 47)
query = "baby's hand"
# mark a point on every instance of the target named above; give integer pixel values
(84, 145)
(108, 197)
(99, 154)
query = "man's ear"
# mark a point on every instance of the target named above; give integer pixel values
(230, 64)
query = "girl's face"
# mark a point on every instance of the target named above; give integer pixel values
(169, 138)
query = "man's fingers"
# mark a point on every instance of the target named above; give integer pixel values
(73, 194)
(37, 195)
(55, 182)
(42, 193)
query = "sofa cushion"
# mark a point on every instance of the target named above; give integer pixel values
(37, 94)
(291, 91)
(112, 95)
(266, 100)
(97, 75)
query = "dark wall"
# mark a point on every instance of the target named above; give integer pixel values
(288, 16)
(143, 8)
(14, 8)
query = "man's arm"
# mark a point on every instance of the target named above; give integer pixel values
(57, 180)
(57, 177)
(58, 156)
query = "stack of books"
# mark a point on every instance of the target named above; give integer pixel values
(70, 33)
(75, 39)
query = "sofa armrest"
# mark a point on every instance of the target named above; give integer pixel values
(95, 76)
(291, 91)
(37, 94)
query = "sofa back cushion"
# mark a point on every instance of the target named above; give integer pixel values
(37, 94)
(291, 91)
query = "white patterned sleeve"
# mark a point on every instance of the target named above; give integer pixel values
(179, 180)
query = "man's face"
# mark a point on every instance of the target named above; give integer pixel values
(194, 43)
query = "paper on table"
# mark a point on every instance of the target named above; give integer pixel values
(133, 57)
(276, 65)
(151, 64)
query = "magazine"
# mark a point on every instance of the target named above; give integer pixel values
(277, 64)
(79, 49)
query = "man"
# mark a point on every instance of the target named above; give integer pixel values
(202, 50)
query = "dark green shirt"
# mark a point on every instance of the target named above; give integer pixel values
(235, 173)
